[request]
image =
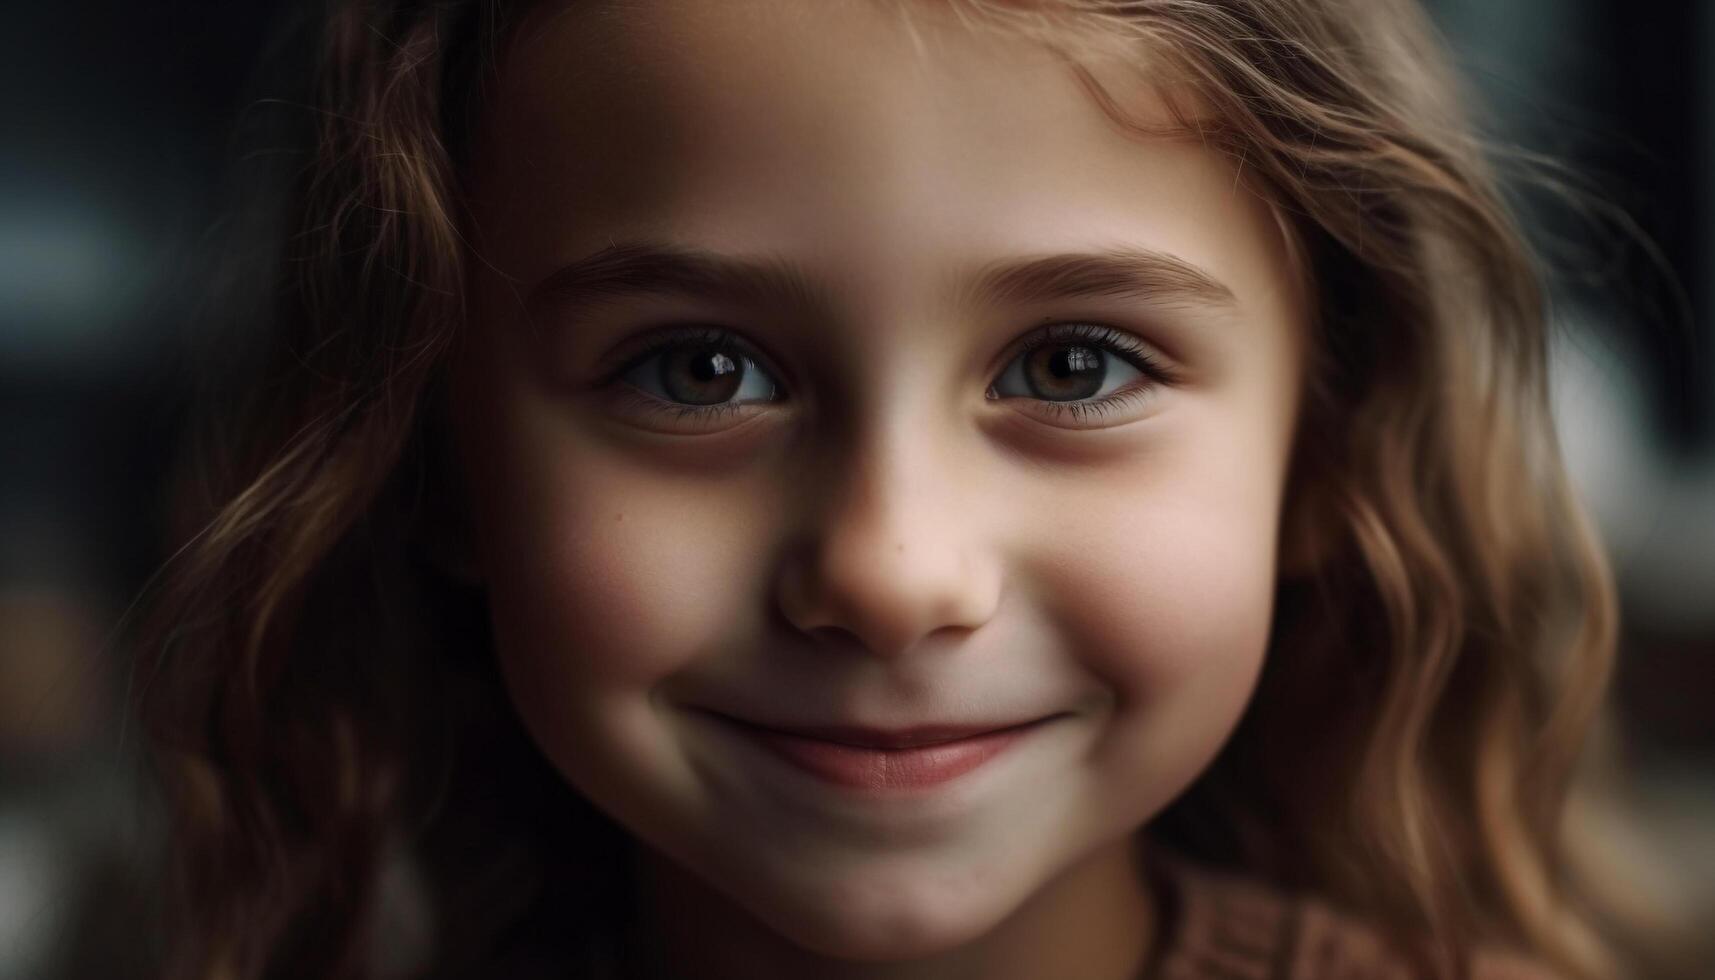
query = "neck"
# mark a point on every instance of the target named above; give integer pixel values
(1097, 920)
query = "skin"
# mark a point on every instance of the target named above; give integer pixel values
(879, 541)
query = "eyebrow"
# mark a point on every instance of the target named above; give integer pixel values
(1120, 273)
(644, 268)
(649, 268)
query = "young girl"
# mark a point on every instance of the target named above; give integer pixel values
(883, 488)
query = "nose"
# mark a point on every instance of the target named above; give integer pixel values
(892, 556)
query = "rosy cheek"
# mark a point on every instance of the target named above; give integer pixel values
(1150, 613)
(621, 576)
(1153, 575)
(588, 586)
(1166, 599)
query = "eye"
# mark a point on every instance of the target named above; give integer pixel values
(1080, 370)
(703, 374)
(696, 374)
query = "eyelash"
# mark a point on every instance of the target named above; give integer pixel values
(724, 341)
(1108, 339)
(711, 338)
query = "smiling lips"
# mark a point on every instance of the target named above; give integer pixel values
(870, 759)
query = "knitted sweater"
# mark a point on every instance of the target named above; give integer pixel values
(1215, 925)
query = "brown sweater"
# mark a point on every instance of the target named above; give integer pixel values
(1211, 925)
(1215, 925)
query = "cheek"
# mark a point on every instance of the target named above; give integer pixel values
(1180, 604)
(603, 582)
(605, 577)
(1163, 585)
(1159, 578)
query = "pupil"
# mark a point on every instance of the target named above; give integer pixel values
(1073, 361)
(1073, 372)
(700, 376)
(713, 366)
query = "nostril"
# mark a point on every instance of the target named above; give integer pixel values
(838, 638)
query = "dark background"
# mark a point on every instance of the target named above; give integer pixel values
(119, 132)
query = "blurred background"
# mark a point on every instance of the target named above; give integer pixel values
(120, 125)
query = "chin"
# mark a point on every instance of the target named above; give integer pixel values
(879, 917)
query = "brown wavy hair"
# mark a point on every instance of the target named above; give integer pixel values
(322, 707)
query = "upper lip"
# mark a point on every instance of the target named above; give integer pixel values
(886, 738)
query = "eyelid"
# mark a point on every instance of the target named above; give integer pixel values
(1128, 346)
(697, 418)
(724, 339)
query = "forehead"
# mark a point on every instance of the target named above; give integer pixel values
(884, 141)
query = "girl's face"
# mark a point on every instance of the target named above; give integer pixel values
(753, 439)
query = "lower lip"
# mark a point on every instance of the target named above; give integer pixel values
(863, 768)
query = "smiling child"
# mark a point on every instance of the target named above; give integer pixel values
(888, 489)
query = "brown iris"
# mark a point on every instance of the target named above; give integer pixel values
(699, 375)
(1064, 372)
